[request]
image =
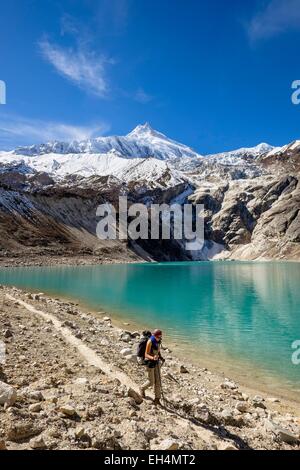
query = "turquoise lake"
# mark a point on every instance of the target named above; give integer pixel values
(240, 316)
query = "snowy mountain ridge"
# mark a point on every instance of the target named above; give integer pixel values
(143, 155)
(142, 142)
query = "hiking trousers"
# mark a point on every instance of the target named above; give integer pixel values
(153, 381)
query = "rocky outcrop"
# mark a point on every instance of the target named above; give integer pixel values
(254, 218)
(8, 395)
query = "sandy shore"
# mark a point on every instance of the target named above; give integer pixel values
(72, 382)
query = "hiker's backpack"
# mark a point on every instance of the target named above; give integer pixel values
(141, 349)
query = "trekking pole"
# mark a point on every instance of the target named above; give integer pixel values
(161, 388)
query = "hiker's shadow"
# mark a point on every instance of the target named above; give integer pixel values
(217, 429)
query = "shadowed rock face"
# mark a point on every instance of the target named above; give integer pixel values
(259, 217)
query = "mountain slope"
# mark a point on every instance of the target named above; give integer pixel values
(49, 195)
(146, 171)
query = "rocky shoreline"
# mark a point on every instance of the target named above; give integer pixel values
(70, 381)
(67, 259)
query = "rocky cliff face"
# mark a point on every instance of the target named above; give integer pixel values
(256, 218)
(251, 197)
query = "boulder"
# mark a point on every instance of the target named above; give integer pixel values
(286, 436)
(126, 352)
(125, 337)
(8, 395)
(21, 430)
(135, 395)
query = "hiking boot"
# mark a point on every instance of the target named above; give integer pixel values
(156, 402)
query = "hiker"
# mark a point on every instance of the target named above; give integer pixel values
(152, 358)
(141, 349)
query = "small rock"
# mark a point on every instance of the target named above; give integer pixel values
(242, 407)
(258, 402)
(126, 352)
(135, 334)
(167, 444)
(183, 370)
(106, 319)
(228, 385)
(35, 407)
(7, 334)
(37, 443)
(273, 400)
(227, 446)
(67, 410)
(194, 401)
(35, 395)
(228, 418)
(79, 432)
(81, 381)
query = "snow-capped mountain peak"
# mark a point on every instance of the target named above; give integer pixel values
(244, 151)
(144, 129)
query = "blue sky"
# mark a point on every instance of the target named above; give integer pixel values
(215, 75)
